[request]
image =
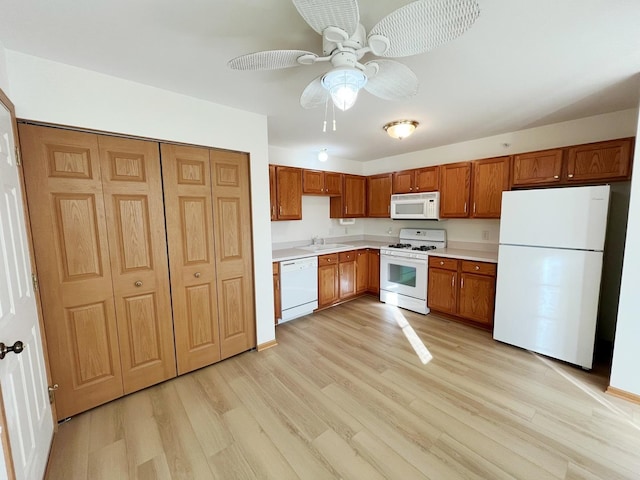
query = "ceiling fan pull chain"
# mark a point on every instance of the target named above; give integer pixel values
(334, 115)
(324, 125)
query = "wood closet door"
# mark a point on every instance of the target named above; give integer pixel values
(132, 187)
(64, 193)
(188, 211)
(233, 251)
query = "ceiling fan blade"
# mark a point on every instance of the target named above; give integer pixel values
(314, 95)
(424, 25)
(270, 60)
(394, 80)
(320, 14)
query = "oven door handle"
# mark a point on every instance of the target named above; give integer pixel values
(414, 262)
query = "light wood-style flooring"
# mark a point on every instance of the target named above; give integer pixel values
(344, 395)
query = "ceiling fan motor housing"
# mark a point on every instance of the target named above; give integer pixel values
(355, 42)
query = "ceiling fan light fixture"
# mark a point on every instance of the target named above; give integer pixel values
(344, 84)
(323, 155)
(400, 129)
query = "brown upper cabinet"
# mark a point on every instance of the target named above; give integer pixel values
(418, 180)
(490, 179)
(379, 195)
(286, 197)
(600, 161)
(352, 203)
(590, 163)
(318, 182)
(455, 187)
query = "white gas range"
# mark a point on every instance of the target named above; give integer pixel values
(404, 268)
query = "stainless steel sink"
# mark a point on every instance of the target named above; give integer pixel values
(326, 246)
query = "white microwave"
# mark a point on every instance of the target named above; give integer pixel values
(416, 206)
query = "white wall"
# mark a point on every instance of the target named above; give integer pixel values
(625, 371)
(53, 92)
(4, 77)
(591, 129)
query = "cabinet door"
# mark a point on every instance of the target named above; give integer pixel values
(233, 251)
(403, 181)
(347, 274)
(328, 286)
(454, 190)
(374, 270)
(289, 193)
(332, 183)
(603, 161)
(132, 188)
(67, 215)
(186, 177)
(362, 271)
(536, 168)
(379, 196)
(273, 197)
(313, 182)
(427, 179)
(355, 199)
(442, 290)
(490, 179)
(477, 297)
(277, 299)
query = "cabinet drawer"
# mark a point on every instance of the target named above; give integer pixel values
(441, 262)
(348, 256)
(330, 259)
(482, 268)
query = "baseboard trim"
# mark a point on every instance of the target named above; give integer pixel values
(616, 392)
(265, 345)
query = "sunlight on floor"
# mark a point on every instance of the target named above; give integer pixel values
(586, 389)
(418, 345)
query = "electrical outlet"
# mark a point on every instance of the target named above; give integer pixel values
(389, 231)
(485, 234)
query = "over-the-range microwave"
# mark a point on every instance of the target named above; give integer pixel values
(416, 206)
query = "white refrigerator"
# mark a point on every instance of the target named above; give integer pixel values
(549, 268)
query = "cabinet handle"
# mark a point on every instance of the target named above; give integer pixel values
(411, 189)
(477, 267)
(328, 259)
(465, 207)
(453, 281)
(197, 274)
(570, 175)
(138, 283)
(346, 209)
(441, 263)
(273, 210)
(280, 209)
(474, 207)
(388, 208)
(462, 282)
(556, 176)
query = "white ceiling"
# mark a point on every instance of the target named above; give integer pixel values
(523, 64)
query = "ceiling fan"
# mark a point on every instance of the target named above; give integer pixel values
(415, 28)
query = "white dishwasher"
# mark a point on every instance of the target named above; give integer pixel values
(298, 287)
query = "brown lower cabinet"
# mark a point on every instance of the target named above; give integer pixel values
(462, 288)
(345, 275)
(100, 239)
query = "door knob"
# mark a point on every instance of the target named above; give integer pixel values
(16, 348)
(197, 274)
(138, 283)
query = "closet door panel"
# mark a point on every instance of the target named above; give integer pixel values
(67, 213)
(138, 251)
(233, 255)
(189, 216)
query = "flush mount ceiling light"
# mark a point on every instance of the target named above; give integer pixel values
(323, 156)
(401, 128)
(344, 84)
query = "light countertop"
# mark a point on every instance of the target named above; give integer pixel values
(293, 253)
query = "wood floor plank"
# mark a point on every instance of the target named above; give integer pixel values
(344, 395)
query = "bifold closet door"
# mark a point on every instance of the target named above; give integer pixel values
(189, 215)
(234, 251)
(132, 186)
(66, 207)
(96, 213)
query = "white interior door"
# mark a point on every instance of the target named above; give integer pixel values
(23, 379)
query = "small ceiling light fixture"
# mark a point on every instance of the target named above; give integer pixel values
(401, 128)
(344, 84)
(323, 156)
